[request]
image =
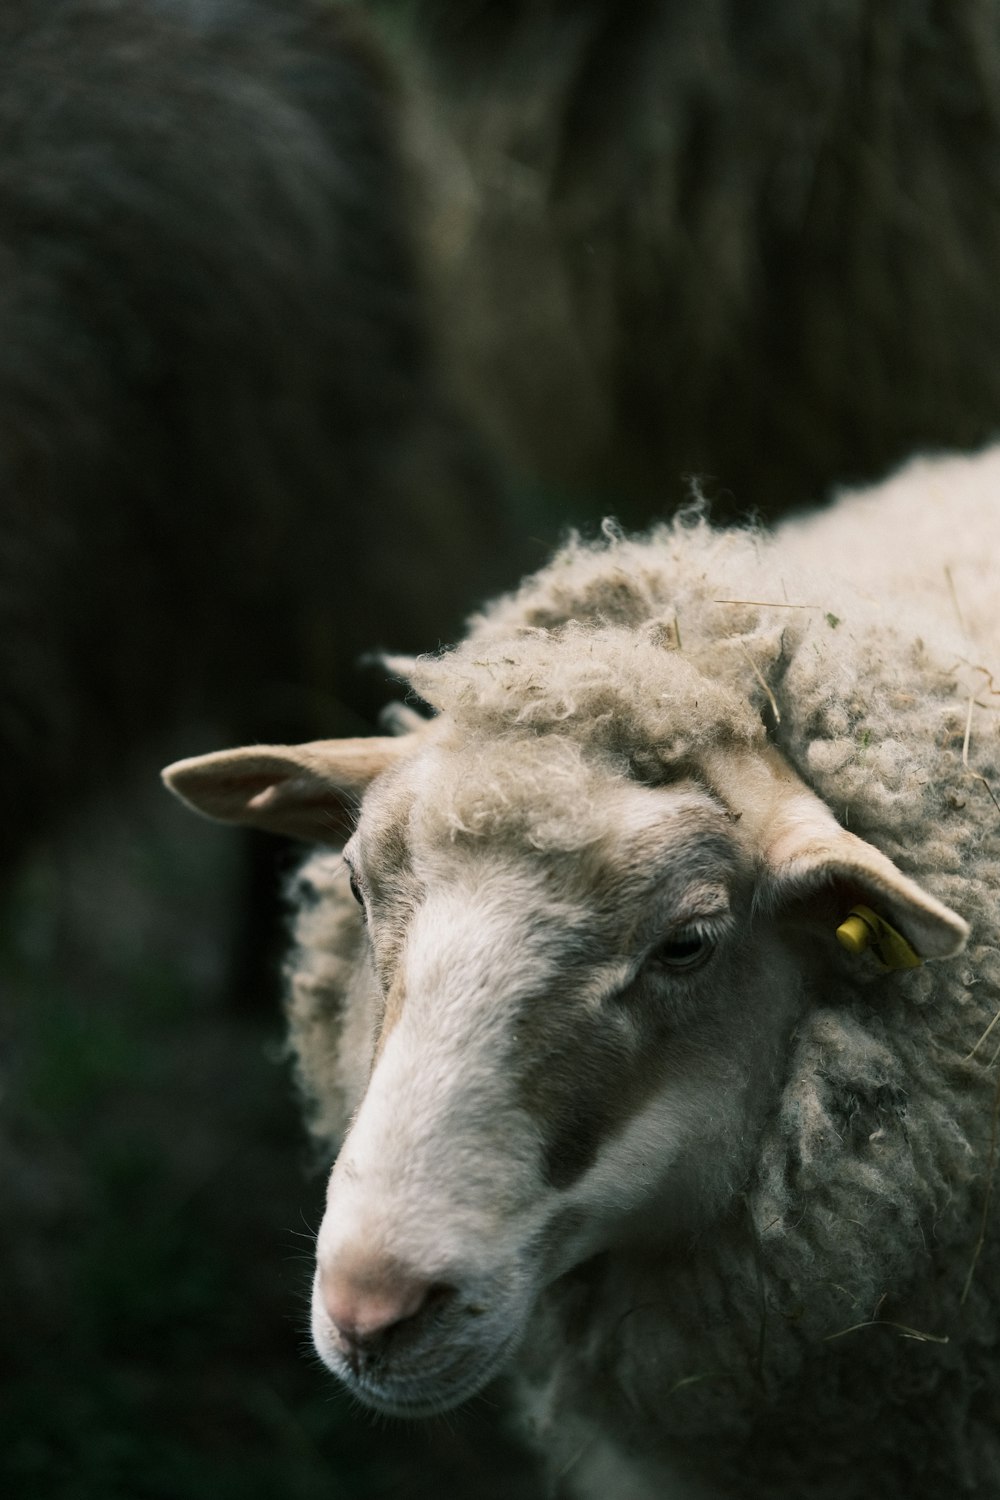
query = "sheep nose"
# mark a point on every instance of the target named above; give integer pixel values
(366, 1303)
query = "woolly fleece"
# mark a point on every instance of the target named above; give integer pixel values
(837, 1336)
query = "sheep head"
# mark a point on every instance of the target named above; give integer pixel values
(582, 979)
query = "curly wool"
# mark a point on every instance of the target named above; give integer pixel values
(837, 1337)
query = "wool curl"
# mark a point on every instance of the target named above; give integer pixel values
(838, 1335)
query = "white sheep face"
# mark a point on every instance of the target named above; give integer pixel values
(560, 1058)
(583, 989)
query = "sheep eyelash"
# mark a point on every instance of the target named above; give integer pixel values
(712, 929)
(357, 890)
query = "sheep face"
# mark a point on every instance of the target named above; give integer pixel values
(580, 987)
(561, 1060)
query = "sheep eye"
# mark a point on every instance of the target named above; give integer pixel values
(686, 951)
(356, 891)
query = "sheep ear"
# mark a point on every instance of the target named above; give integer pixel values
(828, 874)
(310, 791)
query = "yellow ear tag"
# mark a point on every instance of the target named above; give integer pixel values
(862, 928)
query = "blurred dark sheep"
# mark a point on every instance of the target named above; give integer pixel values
(284, 285)
(227, 460)
(756, 241)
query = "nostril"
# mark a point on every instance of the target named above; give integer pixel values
(438, 1293)
(367, 1304)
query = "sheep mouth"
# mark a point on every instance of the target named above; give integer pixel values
(425, 1395)
(425, 1390)
(423, 1372)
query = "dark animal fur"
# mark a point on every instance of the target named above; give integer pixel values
(227, 463)
(759, 242)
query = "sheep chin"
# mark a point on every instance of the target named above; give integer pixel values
(418, 1395)
(424, 1389)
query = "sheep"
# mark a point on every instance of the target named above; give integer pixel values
(615, 1015)
(753, 242)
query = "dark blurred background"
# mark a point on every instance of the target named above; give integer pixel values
(318, 323)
